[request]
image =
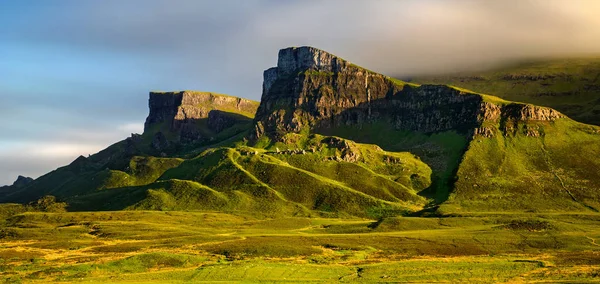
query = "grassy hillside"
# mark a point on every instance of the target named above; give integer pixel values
(200, 247)
(513, 171)
(572, 86)
(367, 169)
(442, 152)
(311, 179)
(282, 181)
(135, 161)
(493, 192)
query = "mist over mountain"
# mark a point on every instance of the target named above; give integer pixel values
(92, 62)
(325, 141)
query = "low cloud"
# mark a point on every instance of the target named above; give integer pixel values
(203, 45)
(133, 127)
(35, 157)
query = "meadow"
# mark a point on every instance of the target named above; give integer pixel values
(180, 247)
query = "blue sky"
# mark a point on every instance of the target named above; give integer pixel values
(75, 75)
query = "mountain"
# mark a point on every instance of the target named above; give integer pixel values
(486, 153)
(330, 138)
(571, 86)
(20, 182)
(190, 117)
(192, 156)
(140, 159)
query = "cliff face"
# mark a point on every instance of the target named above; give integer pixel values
(194, 116)
(312, 88)
(178, 108)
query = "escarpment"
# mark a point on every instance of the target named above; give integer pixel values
(508, 116)
(330, 137)
(311, 88)
(191, 116)
(178, 108)
(312, 91)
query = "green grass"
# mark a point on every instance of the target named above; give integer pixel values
(442, 152)
(569, 85)
(373, 204)
(548, 173)
(257, 180)
(175, 246)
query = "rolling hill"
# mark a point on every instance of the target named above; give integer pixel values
(330, 138)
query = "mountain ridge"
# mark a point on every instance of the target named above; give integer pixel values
(327, 85)
(330, 138)
(569, 85)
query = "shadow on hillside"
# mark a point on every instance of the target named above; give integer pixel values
(442, 150)
(182, 138)
(85, 175)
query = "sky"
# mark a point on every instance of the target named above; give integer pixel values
(75, 74)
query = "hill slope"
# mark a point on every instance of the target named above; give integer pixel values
(486, 153)
(330, 138)
(180, 125)
(192, 156)
(571, 86)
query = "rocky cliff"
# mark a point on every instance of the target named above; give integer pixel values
(311, 88)
(178, 108)
(191, 116)
(343, 140)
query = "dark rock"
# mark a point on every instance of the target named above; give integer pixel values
(132, 144)
(219, 120)
(22, 181)
(189, 133)
(191, 115)
(177, 108)
(159, 142)
(527, 112)
(311, 88)
(484, 131)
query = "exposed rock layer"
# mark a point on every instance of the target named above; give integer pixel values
(177, 108)
(312, 88)
(183, 112)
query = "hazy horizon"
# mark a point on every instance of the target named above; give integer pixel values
(75, 75)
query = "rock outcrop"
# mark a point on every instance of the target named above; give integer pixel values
(183, 113)
(19, 183)
(348, 149)
(312, 88)
(22, 181)
(178, 108)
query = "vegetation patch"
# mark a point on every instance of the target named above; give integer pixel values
(528, 225)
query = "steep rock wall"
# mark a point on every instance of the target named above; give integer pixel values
(177, 108)
(312, 88)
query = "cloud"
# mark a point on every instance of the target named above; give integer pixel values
(209, 43)
(408, 37)
(35, 157)
(133, 127)
(76, 74)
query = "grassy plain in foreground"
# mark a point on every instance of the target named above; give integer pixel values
(154, 246)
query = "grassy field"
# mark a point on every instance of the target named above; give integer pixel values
(175, 246)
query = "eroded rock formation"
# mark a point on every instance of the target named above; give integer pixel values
(312, 88)
(184, 113)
